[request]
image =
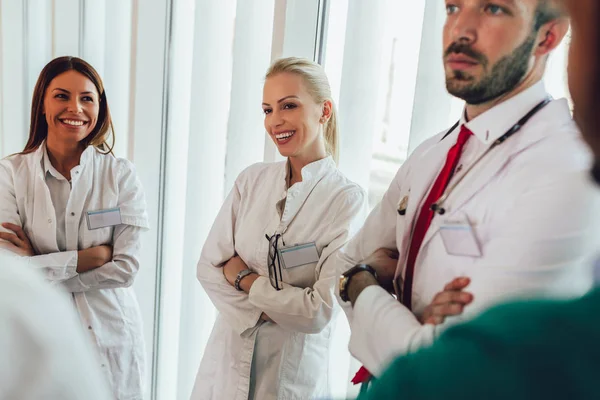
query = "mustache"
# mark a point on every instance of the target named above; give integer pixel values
(459, 48)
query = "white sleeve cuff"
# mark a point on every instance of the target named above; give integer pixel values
(382, 329)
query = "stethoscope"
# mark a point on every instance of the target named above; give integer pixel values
(437, 206)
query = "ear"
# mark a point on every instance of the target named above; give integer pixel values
(326, 110)
(551, 35)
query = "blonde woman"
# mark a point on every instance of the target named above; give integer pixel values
(267, 264)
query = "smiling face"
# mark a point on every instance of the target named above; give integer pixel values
(489, 46)
(71, 107)
(292, 118)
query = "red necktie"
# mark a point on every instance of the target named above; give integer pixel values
(426, 215)
(422, 225)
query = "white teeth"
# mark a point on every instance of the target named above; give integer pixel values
(284, 135)
(72, 122)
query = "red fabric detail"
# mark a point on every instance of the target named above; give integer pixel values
(426, 215)
(362, 376)
(422, 225)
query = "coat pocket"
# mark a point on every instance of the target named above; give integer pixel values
(302, 276)
(96, 237)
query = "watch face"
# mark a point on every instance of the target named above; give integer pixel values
(343, 283)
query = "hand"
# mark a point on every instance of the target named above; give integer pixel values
(384, 262)
(19, 242)
(93, 258)
(232, 268)
(450, 301)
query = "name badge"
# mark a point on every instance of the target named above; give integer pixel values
(103, 218)
(298, 255)
(459, 238)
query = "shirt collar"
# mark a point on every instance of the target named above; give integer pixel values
(313, 171)
(495, 122)
(47, 166)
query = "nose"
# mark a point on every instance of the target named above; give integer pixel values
(464, 26)
(275, 119)
(74, 106)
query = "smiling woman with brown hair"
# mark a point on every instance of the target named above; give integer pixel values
(75, 213)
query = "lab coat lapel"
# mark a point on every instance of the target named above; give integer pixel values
(420, 182)
(81, 187)
(43, 221)
(476, 179)
(297, 194)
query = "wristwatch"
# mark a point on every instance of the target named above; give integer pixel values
(345, 278)
(241, 275)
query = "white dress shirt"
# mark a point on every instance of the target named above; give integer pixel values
(249, 359)
(104, 298)
(531, 208)
(44, 353)
(60, 191)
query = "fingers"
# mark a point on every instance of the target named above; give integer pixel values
(437, 314)
(12, 238)
(458, 283)
(434, 320)
(446, 310)
(452, 297)
(16, 229)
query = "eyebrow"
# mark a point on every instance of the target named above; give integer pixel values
(282, 99)
(66, 91)
(509, 2)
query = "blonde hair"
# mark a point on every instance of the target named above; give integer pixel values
(318, 87)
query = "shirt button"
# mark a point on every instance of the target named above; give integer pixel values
(72, 214)
(49, 220)
(90, 327)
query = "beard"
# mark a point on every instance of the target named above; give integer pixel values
(504, 76)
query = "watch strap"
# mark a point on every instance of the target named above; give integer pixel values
(241, 275)
(346, 276)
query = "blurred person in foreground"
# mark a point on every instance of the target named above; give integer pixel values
(44, 353)
(528, 350)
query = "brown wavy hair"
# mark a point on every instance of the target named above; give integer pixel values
(38, 129)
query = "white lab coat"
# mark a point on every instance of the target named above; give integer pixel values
(532, 208)
(249, 359)
(104, 298)
(44, 353)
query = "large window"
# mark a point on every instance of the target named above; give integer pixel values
(388, 81)
(215, 130)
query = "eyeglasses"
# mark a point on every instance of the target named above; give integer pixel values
(274, 261)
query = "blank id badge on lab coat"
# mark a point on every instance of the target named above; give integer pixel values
(459, 238)
(298, 264)
(103, 218)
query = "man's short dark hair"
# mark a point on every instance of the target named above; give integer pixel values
(547, 10)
